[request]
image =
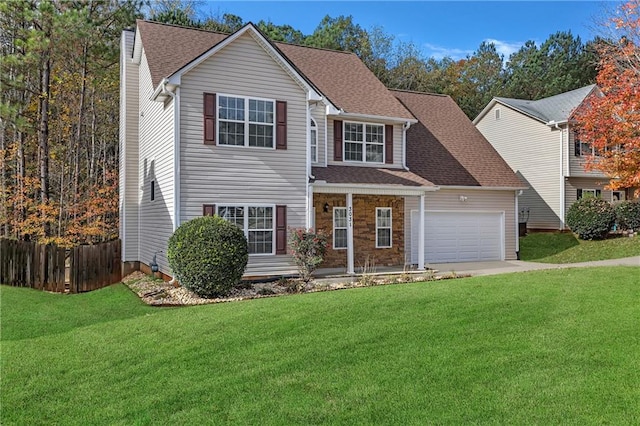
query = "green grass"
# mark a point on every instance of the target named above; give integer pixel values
(549, 247)
(546, 347)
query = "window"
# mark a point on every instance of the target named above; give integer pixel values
(582, 149)
(257, 224)
(314, 141)
(245, 121)
(497, 113)
(364, 142)
(339, 227)
(617, 196)
(153, 190)
(383, 227)
(588, 193)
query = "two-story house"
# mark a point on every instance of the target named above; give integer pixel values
(273, 136)
(537, 139)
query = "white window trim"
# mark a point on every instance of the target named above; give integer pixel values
(390, 227)
(313, 141)
(245, 228)
(364, 142)
(246, 121)
(333, 225)
(591, 191)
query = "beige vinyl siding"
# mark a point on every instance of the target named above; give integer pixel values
(478, 200)
(156, 164)
(397, 146)
(218, 175)
(576, 164)
(575, 183)
(532, 150)
(128, 150)
(317, 113)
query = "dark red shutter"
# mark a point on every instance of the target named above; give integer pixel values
(579, 194)
(281, 125)
(337, 140)
(209, 118)
(388, 144)
(281, 229)
(208, 209)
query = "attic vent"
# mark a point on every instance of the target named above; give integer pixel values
(497, 112)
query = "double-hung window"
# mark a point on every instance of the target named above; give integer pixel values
(257, 223)
(339, 227)
(246, 121)
(364, 142)
(313, 135)
(383, 227)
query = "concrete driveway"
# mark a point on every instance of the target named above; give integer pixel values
(503, 267)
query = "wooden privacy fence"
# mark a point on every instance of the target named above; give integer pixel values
(52, 268)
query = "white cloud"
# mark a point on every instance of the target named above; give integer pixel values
(505, 48)
(439, 52)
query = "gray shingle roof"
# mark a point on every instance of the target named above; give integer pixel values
(554, 108)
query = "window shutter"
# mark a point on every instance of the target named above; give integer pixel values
(281, 229)
(598, 193)
(281, 125)
(209, 118)
(208, 209)
(337, 140)
(579, 192)
(388, 144)
(576, 147)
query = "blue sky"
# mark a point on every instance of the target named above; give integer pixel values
(453, 28)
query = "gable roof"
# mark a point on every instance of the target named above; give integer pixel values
(340, 76)
(556, 108)
(445, 148)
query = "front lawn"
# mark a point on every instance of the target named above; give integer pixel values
(547, 247)
(545, 347)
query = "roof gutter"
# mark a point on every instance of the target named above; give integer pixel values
(376, 118)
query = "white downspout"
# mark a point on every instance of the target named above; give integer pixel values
(517, 217)
(421, 234)
(309, 201)
(176, 158)
(405, 127)
(562, 183)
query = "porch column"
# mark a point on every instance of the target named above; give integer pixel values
(311, 219)
(421, 234)
(350, 269)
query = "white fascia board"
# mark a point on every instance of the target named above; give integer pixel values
(321, 187)
(175, 78)
(485, 110)
(375, 118)
(484, 188)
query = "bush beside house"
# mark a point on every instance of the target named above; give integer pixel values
(591, 218)
(628, 215)
(208, 255)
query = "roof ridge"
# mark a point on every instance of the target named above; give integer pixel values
(203, 30)
(417, 92)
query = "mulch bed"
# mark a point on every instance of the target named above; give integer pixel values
(156, 292)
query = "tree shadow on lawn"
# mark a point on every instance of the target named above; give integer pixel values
(537, 246)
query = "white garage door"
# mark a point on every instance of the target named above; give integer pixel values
(458, 236)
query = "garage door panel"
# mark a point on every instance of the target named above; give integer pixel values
(459, 236)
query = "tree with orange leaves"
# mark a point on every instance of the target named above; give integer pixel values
(610, 119)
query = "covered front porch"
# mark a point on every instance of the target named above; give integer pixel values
(366, 226)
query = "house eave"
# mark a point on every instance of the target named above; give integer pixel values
(322, 187)
(376, 118)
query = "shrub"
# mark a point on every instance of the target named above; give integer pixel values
(591, 218)
(208, 255)
(308, 249)
(628, 215)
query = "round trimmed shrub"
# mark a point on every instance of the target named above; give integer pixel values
(591, 218)
(208, 255)
(628, 215)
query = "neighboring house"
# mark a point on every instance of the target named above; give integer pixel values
(274, 136)
(537, 139)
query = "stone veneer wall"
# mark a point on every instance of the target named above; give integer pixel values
(364, 229)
